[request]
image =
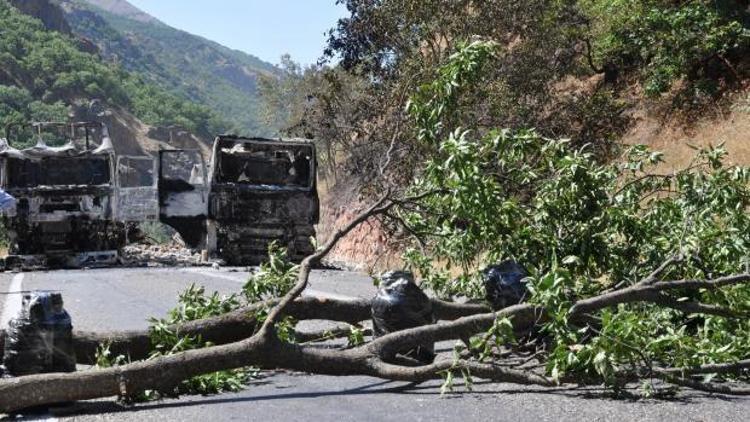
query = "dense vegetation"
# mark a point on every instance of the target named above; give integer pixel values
(634, 276)
(572, 68)
(583, 214)
(698, 42)
(43, 72)
(492, 128)
(582, 229)
(192, 67)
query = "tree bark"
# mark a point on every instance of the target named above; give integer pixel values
(241, 324)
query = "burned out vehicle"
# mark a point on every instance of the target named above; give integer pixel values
(74, 195)
(77, 199)
(255, 191)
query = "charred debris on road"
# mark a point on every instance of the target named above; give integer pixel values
(79, 203)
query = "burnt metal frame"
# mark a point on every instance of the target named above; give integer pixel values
(9, 129)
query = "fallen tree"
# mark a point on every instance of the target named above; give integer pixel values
(242, 323)
(264, 349)
(634, 276)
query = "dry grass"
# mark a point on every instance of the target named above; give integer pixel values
(674, 138)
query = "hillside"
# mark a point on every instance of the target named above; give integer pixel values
(52, 17)
(670, 75)
(124, 9)
(192, 67)
(729, 126)
(46, 75)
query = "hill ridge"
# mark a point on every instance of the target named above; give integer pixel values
(191, 66)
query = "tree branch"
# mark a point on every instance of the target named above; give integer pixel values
(645, 292)
(708, 386)
(241, 324)
(711, 368)
(274, 316)
(264, 349)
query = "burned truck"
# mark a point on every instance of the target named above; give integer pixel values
(254, 192)
(74, 196)
(78, 201)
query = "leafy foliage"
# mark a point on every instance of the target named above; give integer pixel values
(356, 336)
(581, 227)
(156, 232)
(105, 359)
(666, 42)
(194, 304)
(573, 68)
(539, 77)
(273, 279)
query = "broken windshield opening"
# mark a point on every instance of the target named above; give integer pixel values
(58, 172)
(81, 135)
(181, 170)
(266, 165)
(136, 172)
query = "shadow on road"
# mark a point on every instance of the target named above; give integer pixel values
(380, 388)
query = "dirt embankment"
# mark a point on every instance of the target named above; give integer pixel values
(677, 138)
(367, 247)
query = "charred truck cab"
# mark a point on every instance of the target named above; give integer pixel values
(76, 198)
(255, 191)
(73, 200)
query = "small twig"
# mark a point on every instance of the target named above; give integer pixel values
(644, 358)
(710, 368)
(653, 277)
(389, 153)
(666, 177)
(416, 236)
(730, 66)
(530, 358)
(699, 308)
(700, 284)
(307, 337)
(708, 386)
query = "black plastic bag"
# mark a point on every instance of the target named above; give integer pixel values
(57, 322)
(400, 304)
(40, 338)
(26, 350)
(504, 285)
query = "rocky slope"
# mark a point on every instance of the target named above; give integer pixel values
(124, 9)
(51, 16)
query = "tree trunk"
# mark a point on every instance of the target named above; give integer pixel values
(241, 324)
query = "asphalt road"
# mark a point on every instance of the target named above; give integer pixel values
(110, 299)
